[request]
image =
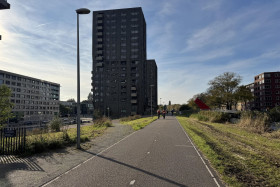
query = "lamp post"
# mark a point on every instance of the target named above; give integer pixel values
(79, 11)
(108, 111)
(151, 100)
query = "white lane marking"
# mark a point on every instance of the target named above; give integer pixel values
(155, 140)
(183, 146)
(132, 182)
(215, 180)
(148, 152)
(86, 161)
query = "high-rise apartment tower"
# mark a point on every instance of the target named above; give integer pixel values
(119, 62)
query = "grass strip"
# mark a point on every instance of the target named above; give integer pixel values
(242, 158)
(139, 123)
(43, 141)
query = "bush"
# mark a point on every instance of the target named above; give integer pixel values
(212, 116)
(130, 118)
(254, 121)
(274, 114)
(103, 122)
(55, 124)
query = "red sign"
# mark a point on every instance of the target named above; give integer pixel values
(201, 105)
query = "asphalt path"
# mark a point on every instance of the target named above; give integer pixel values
(161, 154)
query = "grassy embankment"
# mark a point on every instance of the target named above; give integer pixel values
(242, 157)
(137, 122)
(40, 141)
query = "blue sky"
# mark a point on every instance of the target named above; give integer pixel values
(192, 41)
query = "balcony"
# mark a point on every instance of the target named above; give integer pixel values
(99, 58)
(99, 28)
(99, 46)
(133, 101)
(99, 16)
(133, 94)
(100, 34)
(100, 22)
(99, 52)
(99, 64)
(133, 88)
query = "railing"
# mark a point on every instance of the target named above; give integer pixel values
(12, 140)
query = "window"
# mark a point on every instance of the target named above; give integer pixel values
(134, 37)
(134, 31)
(1, 75)
(134, 44)
(134, 13)
(1, 82)
(134, 56)
(134, 19)
(134, 50)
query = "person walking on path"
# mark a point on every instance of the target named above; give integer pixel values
(158, 113)
(163, 114)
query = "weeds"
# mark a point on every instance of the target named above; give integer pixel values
(242, 158)
(139, 123)
(254, 121)
(130, 118)
(212, 116)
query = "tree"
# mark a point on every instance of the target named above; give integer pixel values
(244, 95)
(222, 89)
(5, 105)
(184, 107)
(90, 97)
(72, 100)
(64, 110)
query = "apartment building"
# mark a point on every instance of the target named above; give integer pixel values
(267, 90)
(4, 4)
(37, 100)
(119, 62)
(151, 87)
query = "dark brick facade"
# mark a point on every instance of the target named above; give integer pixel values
(119, 62)
(267, 90)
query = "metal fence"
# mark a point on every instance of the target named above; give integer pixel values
(12, 140)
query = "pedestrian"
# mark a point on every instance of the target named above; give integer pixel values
(163, 114)
(172, 111)
(158, 113)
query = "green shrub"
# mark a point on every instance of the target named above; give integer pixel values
(55, 124)
(274, 114)
(254, 121)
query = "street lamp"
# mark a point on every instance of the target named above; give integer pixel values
(79, 11)
(151, 100)
(108, 111)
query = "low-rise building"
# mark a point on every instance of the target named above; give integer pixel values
(35, 99)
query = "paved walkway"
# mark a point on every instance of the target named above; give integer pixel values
(161, 154)
(41, 168)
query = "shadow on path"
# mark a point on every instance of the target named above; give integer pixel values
(138, 169)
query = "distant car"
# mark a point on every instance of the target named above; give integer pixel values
(27, 123)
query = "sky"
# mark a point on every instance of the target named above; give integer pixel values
(192, 41)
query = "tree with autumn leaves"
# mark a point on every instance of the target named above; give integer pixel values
(224, 92)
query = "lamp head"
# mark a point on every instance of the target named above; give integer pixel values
(83, 11)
